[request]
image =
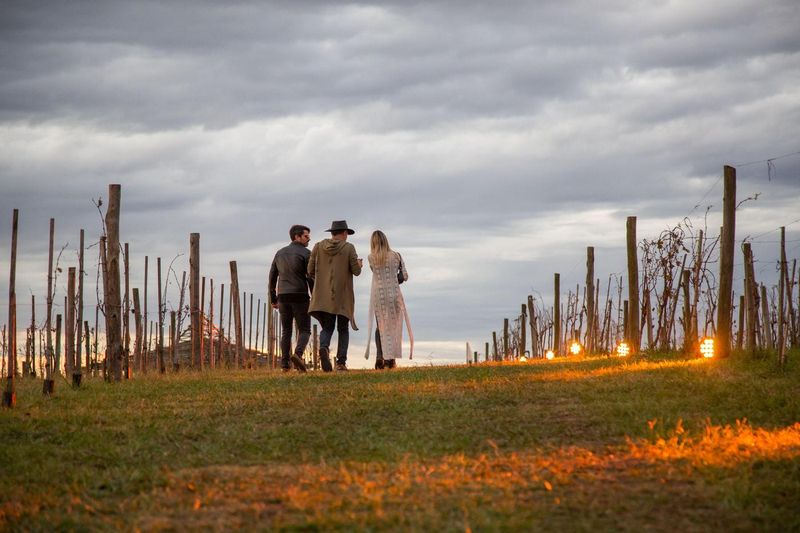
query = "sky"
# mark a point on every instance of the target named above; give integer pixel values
(491, 142)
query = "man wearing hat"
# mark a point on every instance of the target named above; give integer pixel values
(332, 265)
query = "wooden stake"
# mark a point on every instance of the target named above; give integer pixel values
(172, 345)
(194, 297)
(10, 394)
(557, 313)
(258, 319)
(750, 298)
(221, 316)
(126, 313)
(723, 340)
(79, 319)
(114, 348)
(137, 318)
(58, 343)
(740, 330)
(211, 361)
(237, 312)
(49, 385)
(202, 320)
(250, 328)
(145, 337)
(162, 367)
(494, 345)
(782, 275)
(633, 284)
(766, 322)
(69, 341)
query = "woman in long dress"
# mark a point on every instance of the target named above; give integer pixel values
(386, 303)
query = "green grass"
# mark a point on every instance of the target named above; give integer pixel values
(580, 444)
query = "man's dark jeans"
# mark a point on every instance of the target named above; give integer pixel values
(328, 321)
(293, 312)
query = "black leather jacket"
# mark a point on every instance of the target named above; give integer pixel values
(289, 272)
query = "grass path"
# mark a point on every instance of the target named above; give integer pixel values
(660, 443)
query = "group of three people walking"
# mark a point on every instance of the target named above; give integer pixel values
(319, 283)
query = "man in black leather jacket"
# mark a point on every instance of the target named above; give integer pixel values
(288, 275)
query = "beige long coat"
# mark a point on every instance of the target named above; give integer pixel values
(332, 265)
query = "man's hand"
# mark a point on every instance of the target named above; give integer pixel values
(360, 263)
(274, 306)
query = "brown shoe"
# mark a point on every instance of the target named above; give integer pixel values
(379, 363)
(298, 363)
(325, 360)
(389, 363)
(341, 367)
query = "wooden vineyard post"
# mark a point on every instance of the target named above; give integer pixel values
(245, 357)
(534, 329)
(137, 323)
(264, 327)
(740, 331)
(87, 338)
(48, 387)
(557, 313)
(590, 302)
(766, 323)
(79, 317)
(689, 335)
(505, 339)
(626, 323)
(28, 369)
(211, 361)
(523, 342)
(789, 284)
(723, 340)
(145, 344)
(172, 346)
(113, 306)
(314, 348)
(782, 274)
(633, 286)
(236, 307)
(69, 327)
(194, 297)
(202, 320)
(126, 314)
(58, 343)
(230, 318)
(221, 315)
(250, 329)
(750, 298)
(162, 367)
(258, 322)
(10, 392)
(494, 346)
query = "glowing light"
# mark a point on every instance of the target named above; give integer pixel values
(575, 348)
(707, 347)
(549, 354)
(623, 350)
(523, 358)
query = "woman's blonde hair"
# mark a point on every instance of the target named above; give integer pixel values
(379, 248)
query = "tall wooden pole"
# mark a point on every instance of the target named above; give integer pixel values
(766, 323)
(10, 394)
(211, 361)
(258, 321)
(740, 331)
(49, 382)
(781, 350)
(221, 316)
(557, 313)
(162, 367)
(69, 341)
(590, 302)
(236, 307)
(270, 329)
(137, 318)
(750, 298)
(523, 341)
(534, 328)
(114, 348)
(250, 328)
(126, 313)
(633, 286)
(494, 346)
(172, 345)
(723, 340)
(145, 338)
(194, 297)
(202, 320)
(505, 339)
(79, 320)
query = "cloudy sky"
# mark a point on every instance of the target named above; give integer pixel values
(492, 142)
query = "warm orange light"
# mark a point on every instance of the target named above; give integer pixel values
(575, 348)
(523, 358)
(707, 347)
(549, 354)
(623, 350)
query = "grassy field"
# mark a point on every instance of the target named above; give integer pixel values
(658, 443)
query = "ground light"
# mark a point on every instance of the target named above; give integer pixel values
(707, 347)
(623, 350)
(549, 354)
(575, 348)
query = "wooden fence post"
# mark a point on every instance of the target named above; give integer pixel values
(126, 314)
(162, 367)
(590, 302)
(220, 354)
(557, 313)
(145, 338)
(10, 393)
(137, 321)
(113, 306)
(237, 313)
(505, 339)
(750, 298)
(740, 329)
(782, 274)
(48, 388)
(523, 341)
(689, 335)
(69, 341)
(723, 341)
(766, 322)
(633, 285)
(211, 361)
(194, 297)
(79, 318)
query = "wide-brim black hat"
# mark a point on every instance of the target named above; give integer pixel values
(340, 225)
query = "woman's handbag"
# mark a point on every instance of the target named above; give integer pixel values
(400, 278)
